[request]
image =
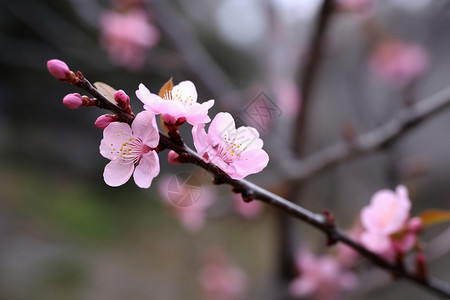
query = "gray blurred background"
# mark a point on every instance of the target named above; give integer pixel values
(64, 234)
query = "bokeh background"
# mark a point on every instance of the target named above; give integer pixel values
(64, 234)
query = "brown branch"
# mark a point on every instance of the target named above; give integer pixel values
(403, 122)
(320, 222)
(309, 75)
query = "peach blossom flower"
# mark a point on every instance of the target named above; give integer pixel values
(237, 152)
(127, 36)
(177, 104)
(387, 213)
(399, 63)
(221, 279)
(131, 151)
(322, 278)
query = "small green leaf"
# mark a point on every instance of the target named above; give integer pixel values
(434, 216)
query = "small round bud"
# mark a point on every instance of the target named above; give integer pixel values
(173, 157)
(415, 225)
(122, 98)
(58, 69)
(73, 101)
(104, 120)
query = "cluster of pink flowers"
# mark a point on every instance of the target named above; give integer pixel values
(237, 152)
(388, 228)
(133, 149)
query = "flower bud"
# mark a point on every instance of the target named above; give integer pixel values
(415, 225)
(58, 69)
(172, 157)
(122, 99)
(73, 101)
(104, 120)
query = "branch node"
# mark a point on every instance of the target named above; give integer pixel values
(330, 228)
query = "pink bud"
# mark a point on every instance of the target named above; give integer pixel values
(415, 225)
(104, 120)
(172, 157)
(73, 101)
(122, 99)
(58, 69)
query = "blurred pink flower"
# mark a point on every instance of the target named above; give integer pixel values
(220, 279)
(189, 203)
(387, 214)
(399, 63)
(288, 97)
(128, 146)
(248, 210)
(237, 152)
(179, 103)
(322, 278)
(127, 36)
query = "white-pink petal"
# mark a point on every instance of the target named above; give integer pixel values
(144, 126)
(117, 172)
(147, 169)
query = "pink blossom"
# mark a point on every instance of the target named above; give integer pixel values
(387, 214)
(131, 149)
(188, 201)
(58, 69)
(237, 152)
(104, 120)
(289, 97)
(248, 210)
(322, 278)
(399, 63)
(73, 101)
(177, 104)
(127, 36)
(220, 278)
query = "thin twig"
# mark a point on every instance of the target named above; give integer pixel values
(402, 123)
(309, 75)
(320, 222)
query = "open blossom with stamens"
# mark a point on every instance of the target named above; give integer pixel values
(237, 152)
(387, 214)
(180, 102)
(131, 149)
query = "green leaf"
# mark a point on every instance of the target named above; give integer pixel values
(434, 216)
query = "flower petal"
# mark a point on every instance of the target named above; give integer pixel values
(144, 127)
(221, 126)
(117, 172)
(198, 113)
(147, 169)
(151, 101)
(251, 162)
(201, 140)
(185, 91)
